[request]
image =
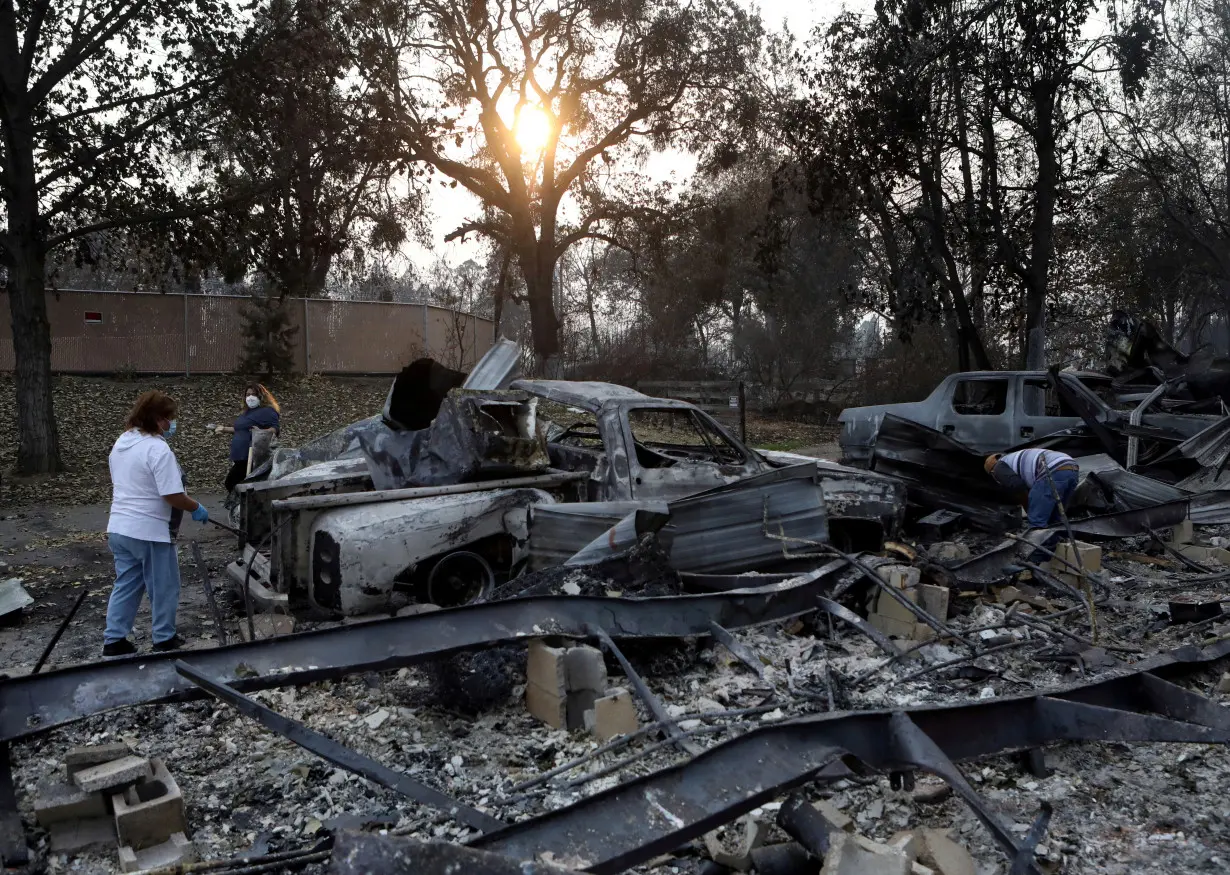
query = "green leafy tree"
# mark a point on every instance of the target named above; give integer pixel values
(292, 126)
(93, 97)
(268, 337)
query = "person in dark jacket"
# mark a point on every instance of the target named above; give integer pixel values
(261, 411)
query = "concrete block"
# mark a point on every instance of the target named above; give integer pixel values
(549, 706)
(837, 818)
(901, 576)
(1223, 685)
(887, 606)
(892, 627)
(149, 812)
(1183, 533)
(614, 714)
(83, 757)
(585, 669)
(579, 702)
(267, 626)
(177, 849)
(944, 855)
(922, 632)
(57, 803)
(117, 773)
(934, 599)
(72, 836)
(1090, 557)
(849, 856)
(544, 668)
(738, 858)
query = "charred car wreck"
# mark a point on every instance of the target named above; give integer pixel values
(446, 513)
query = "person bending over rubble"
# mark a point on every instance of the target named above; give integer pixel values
(1044, 479)
(261, 411)
(146, 484)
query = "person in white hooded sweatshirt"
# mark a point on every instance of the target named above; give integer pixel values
(146, 484)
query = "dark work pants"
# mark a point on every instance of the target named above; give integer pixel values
(235, 476)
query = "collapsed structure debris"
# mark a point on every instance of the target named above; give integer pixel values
(592, 631)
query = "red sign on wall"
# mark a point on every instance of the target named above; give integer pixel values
(93, 317)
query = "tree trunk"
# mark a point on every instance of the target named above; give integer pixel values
(38, 442)
(1042, 248)
(544, 325)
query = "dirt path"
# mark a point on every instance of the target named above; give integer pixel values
(55, 551)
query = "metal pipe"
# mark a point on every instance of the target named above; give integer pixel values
(1135, 417)
(72, 612)
(348, 499)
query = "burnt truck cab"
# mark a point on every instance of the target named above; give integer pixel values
(328, 544)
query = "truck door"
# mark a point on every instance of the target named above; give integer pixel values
(1043, 412)
(977, 413)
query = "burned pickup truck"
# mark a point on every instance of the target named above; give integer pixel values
(547, 468)
(1078, 412)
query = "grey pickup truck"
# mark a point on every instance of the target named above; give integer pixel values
(992, 411)
(987, 411)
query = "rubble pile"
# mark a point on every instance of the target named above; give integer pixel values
(671, 657)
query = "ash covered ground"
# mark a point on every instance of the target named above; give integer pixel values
(1118, 808)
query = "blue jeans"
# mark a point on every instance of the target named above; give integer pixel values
(1043, 509)
(142, 567)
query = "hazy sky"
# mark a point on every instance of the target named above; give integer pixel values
(451, 207)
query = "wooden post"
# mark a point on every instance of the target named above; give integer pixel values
(187, 348)
(742, 412)
(426, 339)
(307, 340)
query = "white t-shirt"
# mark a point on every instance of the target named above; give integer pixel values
(143, 469)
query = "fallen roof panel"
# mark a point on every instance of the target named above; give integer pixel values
(34, 703)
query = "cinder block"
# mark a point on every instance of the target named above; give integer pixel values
(585, 669)
(934, 600)
(614, 714)
(1183, 533)
(848, 856)
(57, 803)
(887, 606)
(83, 757)
(149, 812)
(117, 773)
(922, 632)
(72, 836)
(901, 576)
(944, 855)
(579, 701)
(177, 849)
(1090, 557)
(549, 706)
(1223, 686)
(891, 626)
(544, 667)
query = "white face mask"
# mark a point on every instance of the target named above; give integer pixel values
(253, 401)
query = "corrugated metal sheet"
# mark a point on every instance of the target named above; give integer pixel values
(557, 531)
(736, 527)
(174, 333)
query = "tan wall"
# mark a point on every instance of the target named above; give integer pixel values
(146, 333)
